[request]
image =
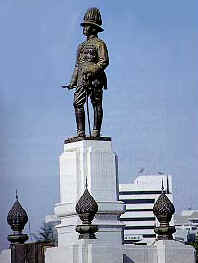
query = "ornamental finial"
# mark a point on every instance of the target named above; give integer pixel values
(17, 218)
(164, 209)
(86, 208)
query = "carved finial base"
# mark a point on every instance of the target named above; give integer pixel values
(17, 238)
(87, 231)
(165, 233)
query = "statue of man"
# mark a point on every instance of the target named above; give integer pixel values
(89, 77)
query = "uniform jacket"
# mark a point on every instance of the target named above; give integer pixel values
(92, 58)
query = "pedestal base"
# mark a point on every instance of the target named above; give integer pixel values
(94, 160)
(163, 251)
(86, 251)
(171, 251)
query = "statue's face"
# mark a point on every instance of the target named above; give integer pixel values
(89, 30)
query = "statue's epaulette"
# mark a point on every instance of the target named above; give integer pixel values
(100, 40)
(95, 40)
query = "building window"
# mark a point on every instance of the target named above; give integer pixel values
(138, 201)
(137, 219)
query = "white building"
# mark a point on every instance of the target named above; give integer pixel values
(139, 198)
(186, 225)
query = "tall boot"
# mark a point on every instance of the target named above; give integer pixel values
(80, 121)
(98, 116)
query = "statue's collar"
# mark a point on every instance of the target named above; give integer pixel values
(91, 37)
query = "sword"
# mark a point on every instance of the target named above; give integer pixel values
(87, 80)
(88, 113)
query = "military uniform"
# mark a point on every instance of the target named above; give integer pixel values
(90, 79)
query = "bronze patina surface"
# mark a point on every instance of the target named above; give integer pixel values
(86, 208)
(89, 78)
(17, 219)
(164, 209)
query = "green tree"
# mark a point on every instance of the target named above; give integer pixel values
(47, 234)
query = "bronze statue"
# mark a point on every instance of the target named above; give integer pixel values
(89, 77)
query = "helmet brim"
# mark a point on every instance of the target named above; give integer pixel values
(100, 29)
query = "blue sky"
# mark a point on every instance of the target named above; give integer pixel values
(150, 107)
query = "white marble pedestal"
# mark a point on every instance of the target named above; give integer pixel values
(171, 251)
(86, 251)
(95, 160)
(162, 251)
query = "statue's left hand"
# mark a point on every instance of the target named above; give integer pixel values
(87, 76)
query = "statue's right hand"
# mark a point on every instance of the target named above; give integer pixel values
(68, 86)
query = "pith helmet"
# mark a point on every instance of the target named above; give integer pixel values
(93, 17)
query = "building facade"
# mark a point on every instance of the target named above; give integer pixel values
(186, 224)
(139, 198)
